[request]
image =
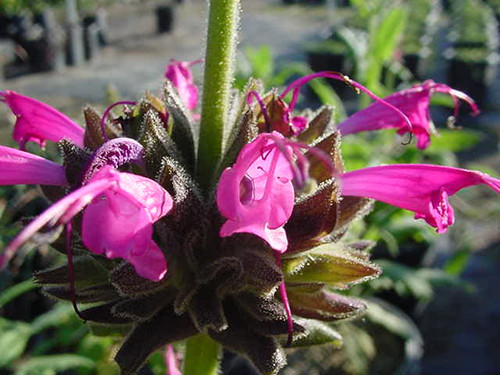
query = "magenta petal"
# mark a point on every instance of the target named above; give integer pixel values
(19, 167)
(119, 223)
(39, 122)
(256, 195)
(413, 102)
(421, 188)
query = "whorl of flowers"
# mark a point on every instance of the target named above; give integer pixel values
(256, 261)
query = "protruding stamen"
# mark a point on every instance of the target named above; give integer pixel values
(296, 85)
(106, 114)
(286, 304)
(262, 105)
(71, 269)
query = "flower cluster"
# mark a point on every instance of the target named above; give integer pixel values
(255, 261)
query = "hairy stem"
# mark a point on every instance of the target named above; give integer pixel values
(219, 62)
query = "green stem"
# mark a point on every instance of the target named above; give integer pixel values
(219, 62)
(202, 356)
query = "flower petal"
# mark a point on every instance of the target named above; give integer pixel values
(19, 167)
(256, 195)
(38, 122)
(421, 188)
(179, 73)
(413, 102)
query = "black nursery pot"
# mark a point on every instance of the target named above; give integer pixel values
(473, 78)
(327, 61)
(165, 15)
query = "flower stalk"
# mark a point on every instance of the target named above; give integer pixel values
(219, 62)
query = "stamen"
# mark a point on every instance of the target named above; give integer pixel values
(297, 84)
(263, 107)
(286, 304)
(407, 142)
(71, 269)
(106, 114)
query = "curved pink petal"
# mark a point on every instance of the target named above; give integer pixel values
(413, 102)
(19, 167)
(119, 223)
(421, 188)
(179, 73)
(38, 122)
(256, 195)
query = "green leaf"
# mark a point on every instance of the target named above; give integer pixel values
(453, 140)
(60, 314)
(386, 35)
(392, 319)
(202, 356)
(14, 337)
(317, 333)
(43, 365)
(456, 265)
(16, 290)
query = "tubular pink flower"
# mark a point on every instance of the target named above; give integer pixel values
(256, 195)
(39, 122)
(118, 220)
(421, 188)
(179, 73)
(414, 103)
(19, 167)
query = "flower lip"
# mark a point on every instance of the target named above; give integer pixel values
(414, 103)
(421, 188)
(38, 122)
(120, 209)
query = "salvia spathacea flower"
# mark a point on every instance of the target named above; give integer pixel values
(179, 73)
(414, 103)
(254, 261)
(38, 122)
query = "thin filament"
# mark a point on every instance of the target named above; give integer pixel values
(286, 304)
(106, 114)
(262, 105)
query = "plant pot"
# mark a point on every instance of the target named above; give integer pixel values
(165, 15)
(326, 61)
(91, 43)
(473, 78)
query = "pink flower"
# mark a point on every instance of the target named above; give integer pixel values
(39, 122)
(179, 73)
(423, 189)
(414, 103)
(19, 167)
(256, 195)
(118, 220)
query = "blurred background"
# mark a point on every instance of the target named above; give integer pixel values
(436, 307)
